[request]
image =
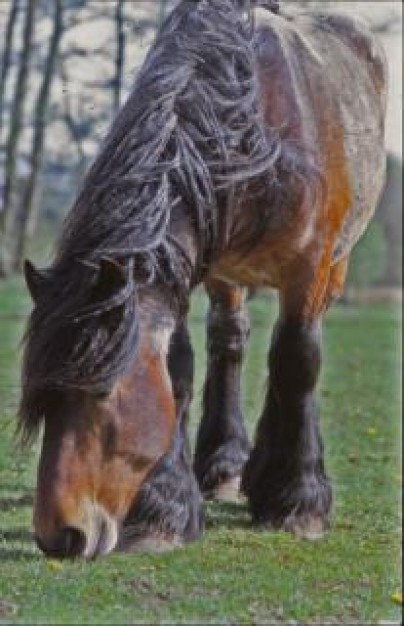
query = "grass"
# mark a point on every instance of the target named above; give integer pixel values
(235, 573)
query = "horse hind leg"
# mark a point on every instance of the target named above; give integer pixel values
(222, 446)
(284, 478)
(168, 510)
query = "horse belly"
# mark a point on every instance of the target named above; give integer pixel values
(267, 263)
(258, 271)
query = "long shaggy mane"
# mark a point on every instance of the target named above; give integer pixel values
(189, 139)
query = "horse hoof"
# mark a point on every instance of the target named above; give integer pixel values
(153, 544)
(306, 527)
(227, 491)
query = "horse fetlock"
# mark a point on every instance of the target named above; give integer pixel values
(219, 474)
(310, 527)
(167, 511)
(227, 491)
(299, 504)
(302, 507)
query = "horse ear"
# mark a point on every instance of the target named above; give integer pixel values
(35, 279)
(112, 275)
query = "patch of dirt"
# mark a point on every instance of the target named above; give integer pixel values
(352, 619)
(151, 594)
(154, 596)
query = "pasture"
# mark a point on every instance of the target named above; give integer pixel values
(236, 573)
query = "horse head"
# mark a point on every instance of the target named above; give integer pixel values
(104, 429)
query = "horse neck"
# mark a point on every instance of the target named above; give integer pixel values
(189, 254)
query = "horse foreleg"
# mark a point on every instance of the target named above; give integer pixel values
(285, 479)
(222, 446)
(168, 509)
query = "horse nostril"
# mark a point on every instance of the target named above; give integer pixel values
(70, 543)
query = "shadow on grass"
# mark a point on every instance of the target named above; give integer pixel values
(26, 551)
(226, 515)
(17, 534)
(8, 504)
(17, 555)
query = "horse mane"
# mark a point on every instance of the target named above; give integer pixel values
(189, 138)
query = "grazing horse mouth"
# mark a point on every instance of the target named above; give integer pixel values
(103, 535)
(95, 536)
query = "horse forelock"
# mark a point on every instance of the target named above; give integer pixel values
(72, 332)
(190, 135)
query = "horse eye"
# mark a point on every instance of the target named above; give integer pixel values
(101, 395)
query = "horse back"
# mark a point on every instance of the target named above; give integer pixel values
(323, 83)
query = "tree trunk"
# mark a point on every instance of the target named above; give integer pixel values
(6, 61)
(28, 208)
(389, 214)
(67, 115)
(162, 12)
(16, 124)
(120, 53)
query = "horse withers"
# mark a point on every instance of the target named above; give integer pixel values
(249, 153)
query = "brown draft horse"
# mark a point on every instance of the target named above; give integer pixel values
(250, 153)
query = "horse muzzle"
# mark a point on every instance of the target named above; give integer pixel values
(94, 535)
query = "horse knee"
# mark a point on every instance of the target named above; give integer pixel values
(295, 357)
(228, 324)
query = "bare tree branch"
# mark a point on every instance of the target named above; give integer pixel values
(162, 12)
(16, 124)
(28, 213)
(67, 115)
(120, 53)
(6, 60)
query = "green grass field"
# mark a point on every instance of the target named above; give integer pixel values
(236, 573)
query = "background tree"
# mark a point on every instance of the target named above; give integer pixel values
(120, 52)
(27, 215)
(390, 216)
(61, 87)
(7, 51)
(163, 6)
(16, 122)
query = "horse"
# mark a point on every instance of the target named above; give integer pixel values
(250, 153)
